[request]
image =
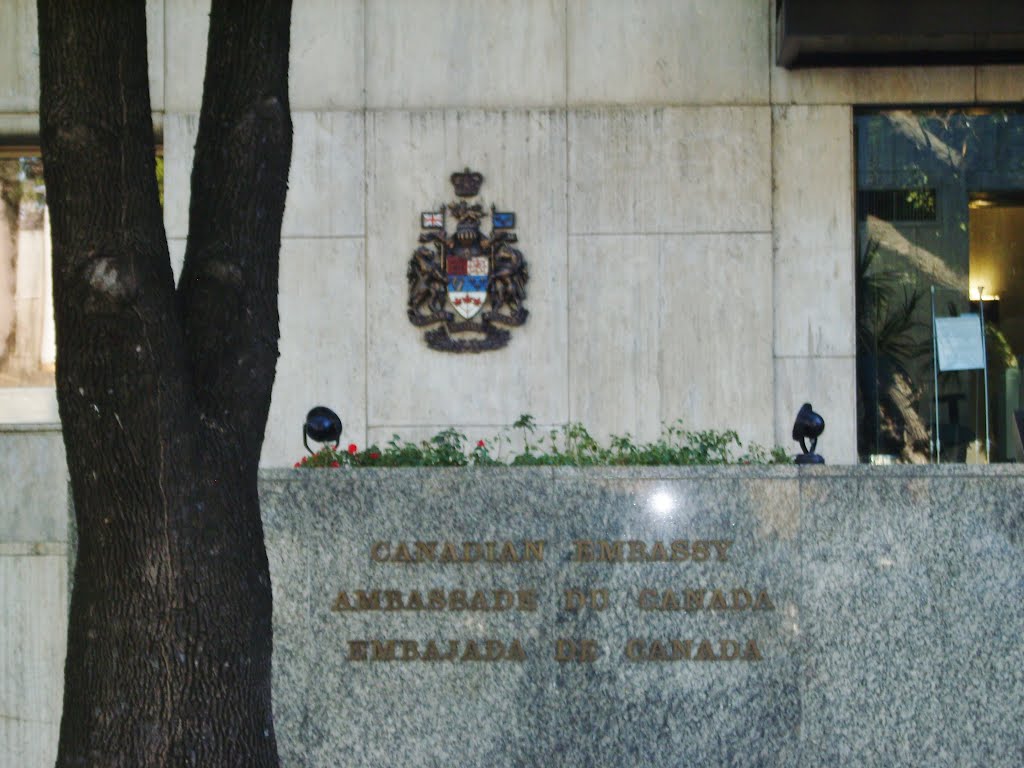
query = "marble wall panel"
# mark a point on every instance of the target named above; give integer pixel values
(323, 343)
(668, 52)
(872, 85)
(671, 327)
(155, 45)
(326, 182)
(176, 249)
(458, 53)
(326, 187)
(326, 57)
(28, 405)
(814, 299)
(34, 502)
(18, 125)
(829, 384)
(179, 142)
(813, 159)
(813, 205)
(716, 363)
(410, 158)
(1000, 83)
(33, 593)
(616, 304)
(325, 60)
(19, 57)
(28, 743)
(670, 170)
(186, 26)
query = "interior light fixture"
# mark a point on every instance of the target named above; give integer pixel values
(977, 293)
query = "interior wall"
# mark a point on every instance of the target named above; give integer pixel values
(997, 263)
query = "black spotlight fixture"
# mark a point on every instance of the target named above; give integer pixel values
(323, 425)
(808, 426)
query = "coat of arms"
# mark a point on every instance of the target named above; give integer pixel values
(466, 282)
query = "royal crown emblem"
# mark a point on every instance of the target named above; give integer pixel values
(467, 283)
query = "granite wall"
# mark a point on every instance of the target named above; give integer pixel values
(884, 607)
(892, 636)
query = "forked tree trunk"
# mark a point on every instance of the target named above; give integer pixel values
(164, 394)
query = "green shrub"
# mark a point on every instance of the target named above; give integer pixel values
(569, 446)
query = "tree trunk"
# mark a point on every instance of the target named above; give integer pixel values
(164, 394)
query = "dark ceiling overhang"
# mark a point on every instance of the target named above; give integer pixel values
(852, 33)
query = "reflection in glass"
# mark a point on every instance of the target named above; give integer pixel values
(27, 341)
(27, 347)
(940, 203)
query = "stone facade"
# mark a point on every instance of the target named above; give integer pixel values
(686, 207)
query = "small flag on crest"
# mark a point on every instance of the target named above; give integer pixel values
(432, 220)
(503, 220)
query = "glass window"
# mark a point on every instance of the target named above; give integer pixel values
(940, 233)
(27, 347)
(27, 341)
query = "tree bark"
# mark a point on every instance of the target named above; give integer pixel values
(164, 394)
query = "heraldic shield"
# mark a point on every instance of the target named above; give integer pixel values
(466, 282)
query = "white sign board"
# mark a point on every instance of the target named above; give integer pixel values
(959, 343)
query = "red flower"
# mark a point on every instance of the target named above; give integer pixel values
(304, 459)
(374, 455)
(335, 464)
(479, 443)
(352, 448)
(298, 464)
